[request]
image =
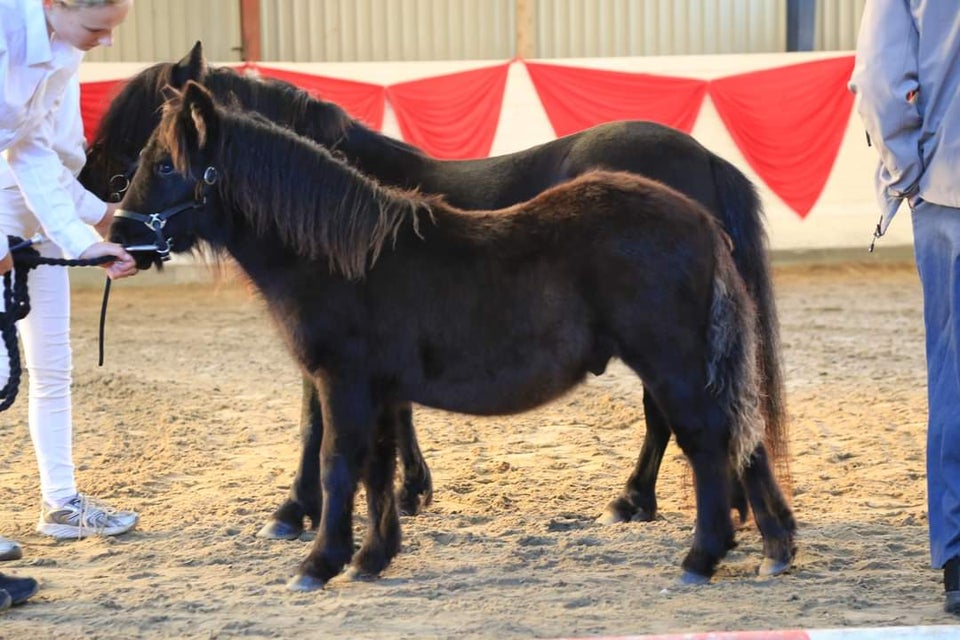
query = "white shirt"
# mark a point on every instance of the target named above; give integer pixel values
(41, 131)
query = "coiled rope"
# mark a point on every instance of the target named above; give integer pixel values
(16, 299)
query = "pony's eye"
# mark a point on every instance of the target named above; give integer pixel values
(165, 168)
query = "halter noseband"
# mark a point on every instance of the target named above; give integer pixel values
(157, 221)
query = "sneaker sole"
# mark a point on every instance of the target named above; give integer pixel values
(67, 532)
(11, 554)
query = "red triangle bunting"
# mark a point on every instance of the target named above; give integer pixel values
(789, 123)
(95, 98)
(363, 101)
(576, 98)
(452, 116)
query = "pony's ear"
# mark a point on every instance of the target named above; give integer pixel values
(198, 114)
(169, 93)
(191, 67)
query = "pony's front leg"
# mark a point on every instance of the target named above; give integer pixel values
(349, 425)
(382, 541)
(305, 495)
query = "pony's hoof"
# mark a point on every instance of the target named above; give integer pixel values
(276, 530)
(623, 510)
(615, 516)
(770, 567)
(611, 516)
(303, 583)
(354, 574)
(416, 493)
(642, 515)
(412, 504)
(690, 578)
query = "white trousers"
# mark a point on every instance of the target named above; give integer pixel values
(45, 334)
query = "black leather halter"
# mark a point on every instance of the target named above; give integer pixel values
(157, 221)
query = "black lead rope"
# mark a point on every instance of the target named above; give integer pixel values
(16, 299)
(103, 320)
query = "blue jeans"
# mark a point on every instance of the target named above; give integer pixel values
(936, 231)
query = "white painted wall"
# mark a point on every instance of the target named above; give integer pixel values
(843, 218)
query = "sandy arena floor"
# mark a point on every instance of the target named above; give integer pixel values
(193, 422)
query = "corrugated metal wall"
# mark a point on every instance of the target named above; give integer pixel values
(162, 30)
(837, 24)
(370, 30)
(364, 30)
(585, 28)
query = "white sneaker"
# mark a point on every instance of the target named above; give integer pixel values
(9, 550)
(82, 517)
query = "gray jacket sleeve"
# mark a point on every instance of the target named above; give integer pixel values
(886, 80)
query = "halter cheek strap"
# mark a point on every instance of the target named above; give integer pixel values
(157, 221)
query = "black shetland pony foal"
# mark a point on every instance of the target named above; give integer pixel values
(386, 298)
(642, 148)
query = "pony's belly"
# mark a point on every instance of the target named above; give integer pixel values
(496, 397)
(507, 377)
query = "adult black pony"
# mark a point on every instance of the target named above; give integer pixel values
(638, 147)
(386, 297)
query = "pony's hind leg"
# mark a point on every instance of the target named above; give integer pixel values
(638, 500)
(416, 491)
(714, 532)
(305, 497)
(702, 432)
(382, 541)
(772, 513)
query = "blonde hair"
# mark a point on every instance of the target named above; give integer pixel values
(80, 4)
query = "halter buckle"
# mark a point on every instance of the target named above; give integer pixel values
(156, 222)
(210, 175)
(118, 186)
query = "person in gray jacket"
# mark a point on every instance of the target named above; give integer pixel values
(907, 79)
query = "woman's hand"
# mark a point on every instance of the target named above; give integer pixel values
(6, 263)
(103, 227)
(122, 267)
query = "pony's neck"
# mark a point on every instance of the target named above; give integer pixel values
(283, 104)
(391, 161)
(296, 197)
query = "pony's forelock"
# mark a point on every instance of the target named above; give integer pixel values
(170, 133)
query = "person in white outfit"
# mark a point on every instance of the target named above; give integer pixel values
(41, 138)
(13, 589)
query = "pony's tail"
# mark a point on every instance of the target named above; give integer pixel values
(732, 371)
(742, 216)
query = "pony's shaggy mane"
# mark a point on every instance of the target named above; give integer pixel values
(323, 209)
(280, 102)
(141, 94)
